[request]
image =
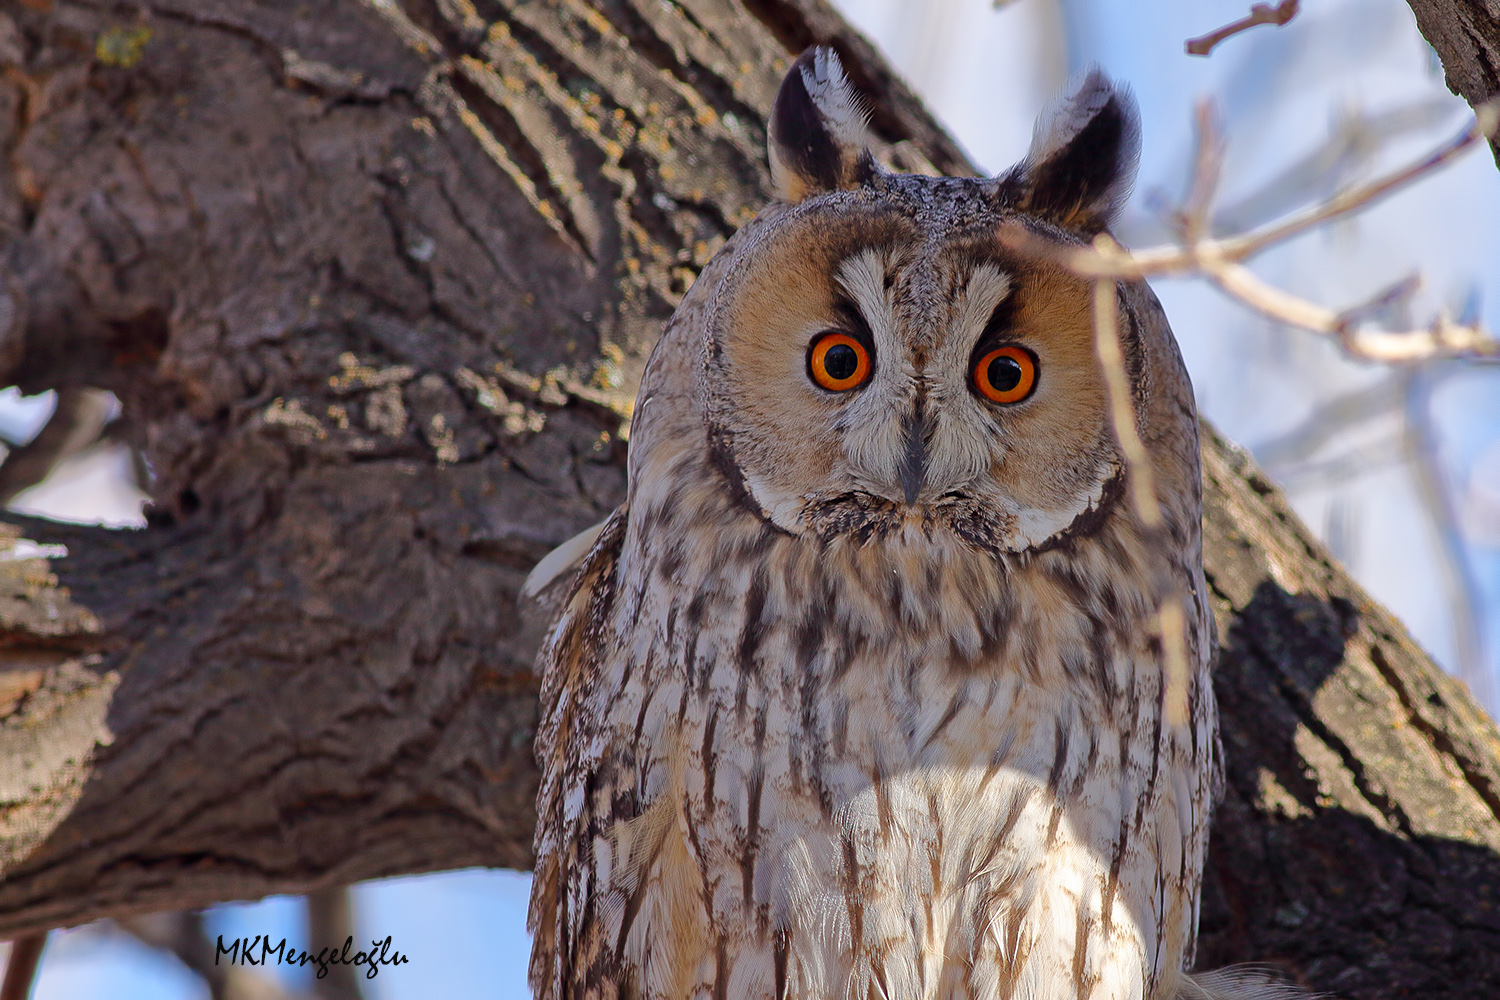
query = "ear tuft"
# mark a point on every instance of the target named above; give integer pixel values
(1083, 157)
(817, 137)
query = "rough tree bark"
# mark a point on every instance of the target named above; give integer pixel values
(1466, 36)
(374, 282)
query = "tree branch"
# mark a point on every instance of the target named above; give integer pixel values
(1218, 259)
(183, 935)
(330, 921)
(1422, 448)
(1261, 13)
(21, 966)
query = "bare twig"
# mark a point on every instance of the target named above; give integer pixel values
(1375, 456)
(1357, 138)
(1177, 260)
(1354, 198)
(1219, 260)
(181, 934)
(330, 919)
(1422, 447)
(1396, 291)
(1261, 13)
(1193, 218)
(1326, 420)
(1121, 412)
(184, 935)
(1171, 622)
(21, 967)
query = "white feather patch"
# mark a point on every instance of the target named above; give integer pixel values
(842, 108)
(1067, 114)
(561, 559)
(1240, 983)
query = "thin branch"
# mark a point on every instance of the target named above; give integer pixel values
(21, 967)
(1354, 198)
(1326, 420)
(1208, 165)
(1261, 13)
(1365, 460)
(1443, 338)
(1089, 262)
(1386, 298)
(1121, 412)
(181, 934)
(1219, 260)
(1171, 621)
(1353, 145)
(330, 919)
(1422, 448)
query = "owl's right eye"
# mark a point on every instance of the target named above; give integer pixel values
(838, 362)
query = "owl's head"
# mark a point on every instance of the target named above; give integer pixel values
(874, 357)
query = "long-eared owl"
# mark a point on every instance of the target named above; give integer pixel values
(861, 693)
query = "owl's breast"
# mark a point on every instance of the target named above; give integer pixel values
(946, 835)
(986, 838)
(946, 779)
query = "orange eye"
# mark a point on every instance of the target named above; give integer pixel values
(838, 362)
(1006, 374)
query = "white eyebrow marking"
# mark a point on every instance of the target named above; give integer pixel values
(986, 288)
(863, 277)
(871, 430)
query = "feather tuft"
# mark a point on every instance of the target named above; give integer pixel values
(1241, 982)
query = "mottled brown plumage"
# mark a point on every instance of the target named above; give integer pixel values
(860, 694)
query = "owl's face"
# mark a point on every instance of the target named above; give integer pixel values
(877, 360)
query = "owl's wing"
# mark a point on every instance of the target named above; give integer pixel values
(568, 660)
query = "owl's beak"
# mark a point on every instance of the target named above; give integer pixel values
(914, 462)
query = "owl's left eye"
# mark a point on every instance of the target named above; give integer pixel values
(1005, 374)
(838, 362)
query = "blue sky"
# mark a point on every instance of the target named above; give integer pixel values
(464, 933)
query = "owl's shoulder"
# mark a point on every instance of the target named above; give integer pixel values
(572, 649)
(584, 584)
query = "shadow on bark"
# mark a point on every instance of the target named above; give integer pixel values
(1356, 904)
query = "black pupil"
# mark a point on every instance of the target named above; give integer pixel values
(1005, 373)
(841, 362)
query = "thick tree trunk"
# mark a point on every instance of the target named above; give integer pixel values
(374, 282)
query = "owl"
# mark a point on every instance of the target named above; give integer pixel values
(861, 692)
